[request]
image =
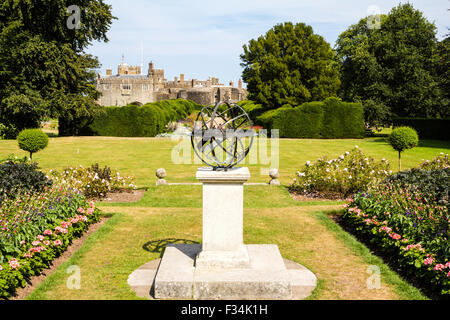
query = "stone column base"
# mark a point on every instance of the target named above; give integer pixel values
(223, 259)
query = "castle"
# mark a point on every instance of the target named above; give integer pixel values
(130, 86)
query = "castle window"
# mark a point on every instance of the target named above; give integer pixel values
(145, 87)
(106, 86)
(126, 86)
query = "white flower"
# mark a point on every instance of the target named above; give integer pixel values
(345, 169)
(328, 170)
(356, 147)
(301, 174)
(350, 177)
(342, 157)
(308, 163)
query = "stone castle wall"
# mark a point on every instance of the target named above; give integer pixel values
(128, 86)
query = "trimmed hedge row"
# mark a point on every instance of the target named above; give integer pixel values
(328, 119)
(148, 120)
(426, 128)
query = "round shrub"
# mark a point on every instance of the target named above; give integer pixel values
(32, 140)
(403, 138)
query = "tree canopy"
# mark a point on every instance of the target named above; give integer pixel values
(44, 71)
(393, 67)
(289, 65)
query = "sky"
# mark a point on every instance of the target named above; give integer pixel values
(205, 38)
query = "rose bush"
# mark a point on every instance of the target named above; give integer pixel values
(93, 182)
(349, 173)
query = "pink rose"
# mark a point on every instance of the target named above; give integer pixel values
(90, 211)
(47, 243)
(14, 264)
(48, 232)
(448, 274)
(447, 265)
(92, 204)
(40, 237)
(428, 261)
(80, 210)
(1, 268)
(36, 243)
(439, 267)
(58, 243)
(22, 242)
(27, 255)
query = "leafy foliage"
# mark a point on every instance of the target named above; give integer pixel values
(394, 66)
(289, 65)
(32, 140)
(43, 68)
(19, 176)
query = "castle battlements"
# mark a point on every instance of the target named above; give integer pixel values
(129, 85)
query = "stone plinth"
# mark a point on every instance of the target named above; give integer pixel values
(223, 267)
(265, 278)
(223, 212)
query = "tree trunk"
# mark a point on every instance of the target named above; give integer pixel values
(399, 161)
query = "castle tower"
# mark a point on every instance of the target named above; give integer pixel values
(240, 84)
(182, 79)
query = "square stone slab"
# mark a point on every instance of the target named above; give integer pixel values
(266, 278)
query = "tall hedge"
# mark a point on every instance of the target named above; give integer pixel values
(141, 121)
(328, 119)
(426, 128)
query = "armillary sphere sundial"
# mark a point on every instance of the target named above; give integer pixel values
(220, 133)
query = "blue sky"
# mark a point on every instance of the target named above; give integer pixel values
(204, 38)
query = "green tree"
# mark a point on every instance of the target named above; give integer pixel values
(44, 70)
(401, 139)
(289, 65)
(393, 65)
(32, 140)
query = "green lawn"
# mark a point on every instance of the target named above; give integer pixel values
(304, 231)
(143, 156)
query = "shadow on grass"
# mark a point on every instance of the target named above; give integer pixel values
(158, 246)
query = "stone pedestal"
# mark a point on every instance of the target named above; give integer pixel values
(223, 267)
(223, 212)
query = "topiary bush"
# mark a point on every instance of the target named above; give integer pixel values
(32, 140)
(328, 119)
(401, 139)
(148, 120)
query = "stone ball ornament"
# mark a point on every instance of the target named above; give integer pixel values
(222, 135)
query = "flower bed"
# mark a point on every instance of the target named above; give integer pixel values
(36, 228)
(408, 219)
(93, 182)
